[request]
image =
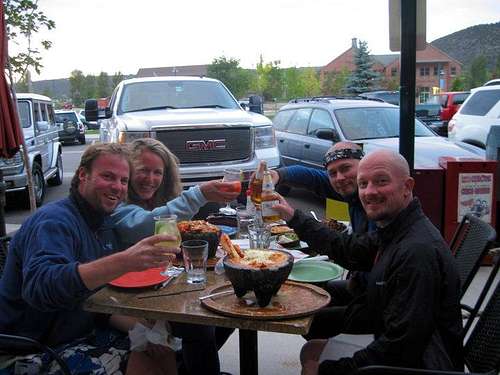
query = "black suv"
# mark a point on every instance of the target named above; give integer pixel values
(71, 128)
(306, 128)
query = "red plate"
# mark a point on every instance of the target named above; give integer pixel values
(141, 279)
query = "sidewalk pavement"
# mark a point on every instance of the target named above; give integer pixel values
(279, 353)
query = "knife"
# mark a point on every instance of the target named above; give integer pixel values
(216, 294)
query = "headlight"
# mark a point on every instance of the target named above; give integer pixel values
(128, 137)
(264, 137)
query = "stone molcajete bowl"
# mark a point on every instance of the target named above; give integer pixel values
(264, 282)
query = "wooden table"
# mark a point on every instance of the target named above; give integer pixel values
(186, 308)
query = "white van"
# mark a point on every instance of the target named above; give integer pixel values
(475, 117)
(36, 114)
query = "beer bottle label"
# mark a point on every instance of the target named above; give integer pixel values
(267, 209)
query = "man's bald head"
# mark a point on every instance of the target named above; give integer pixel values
(384, 185)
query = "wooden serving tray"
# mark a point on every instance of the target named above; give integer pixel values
(293, 300)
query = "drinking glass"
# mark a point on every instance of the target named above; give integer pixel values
(167, 224)
(260, 236)
(235, 176)
(244, 219)
(195, 254)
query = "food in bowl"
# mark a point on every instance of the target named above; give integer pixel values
(200, 230)
(260, 271)
(289, 240)
(280, 229)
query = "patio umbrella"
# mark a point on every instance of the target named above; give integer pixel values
(10, 134)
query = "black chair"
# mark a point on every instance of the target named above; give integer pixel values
(470, 244)
(481, 351)
(19, 344)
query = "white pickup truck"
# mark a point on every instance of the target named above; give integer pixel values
(197, 118)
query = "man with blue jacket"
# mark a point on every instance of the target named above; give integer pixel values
(57, 259)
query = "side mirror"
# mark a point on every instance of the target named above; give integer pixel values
(93, 112)
(42, 126)
(255, 104)
(328, 134)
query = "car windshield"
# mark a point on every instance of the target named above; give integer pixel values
(66, 117)
(143, 96)
(372, 123)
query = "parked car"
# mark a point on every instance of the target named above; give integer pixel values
(430, 114)
(305, 129)
(36, 115)
(391, 97)
(71, 128)
(197, 118)
(493, 82)
(450, 103)
(473, 120)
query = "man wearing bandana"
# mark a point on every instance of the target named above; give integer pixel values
(337, 182)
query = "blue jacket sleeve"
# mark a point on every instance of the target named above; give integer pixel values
(50, 277)
(314, 180)
(133, 223)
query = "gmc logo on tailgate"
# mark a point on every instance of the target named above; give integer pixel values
(206, 145)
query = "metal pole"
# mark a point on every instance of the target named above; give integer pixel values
(3, 230)
(407, 80)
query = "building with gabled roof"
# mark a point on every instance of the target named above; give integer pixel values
(435, 70)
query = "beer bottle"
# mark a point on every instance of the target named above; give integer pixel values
(256, 184)
(269, 199)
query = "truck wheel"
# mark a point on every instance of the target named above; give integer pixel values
(39, 184)
(57, 179)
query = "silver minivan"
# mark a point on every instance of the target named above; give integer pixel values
(36, 114)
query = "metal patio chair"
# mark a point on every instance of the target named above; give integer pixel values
(20, 344)
(470, 245)
(481, 351)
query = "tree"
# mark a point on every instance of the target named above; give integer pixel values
(292, 83)
(458, 84)
(270, 79)
(116, 79)
(228, 71)
(363, 78)
(77, 87)
(310, 82)
(335, 83)
(477, 74)
(23, 19)
(102, 89)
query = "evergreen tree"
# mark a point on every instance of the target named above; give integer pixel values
(477, 74)
(363, 78)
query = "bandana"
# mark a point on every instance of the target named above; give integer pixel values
(345, 153)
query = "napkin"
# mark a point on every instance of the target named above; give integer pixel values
(140, 335)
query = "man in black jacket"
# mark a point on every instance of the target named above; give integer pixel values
(411, 303)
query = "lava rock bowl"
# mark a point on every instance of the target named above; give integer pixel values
(201, 230)
(264, 281)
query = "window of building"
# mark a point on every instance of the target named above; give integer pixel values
(424, 94)
(453, 71)
(436, 70)
(424, 71)
(394, 72)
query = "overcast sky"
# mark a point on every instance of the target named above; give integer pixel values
(125, 35)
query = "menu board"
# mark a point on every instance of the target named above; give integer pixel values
(475, 195)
